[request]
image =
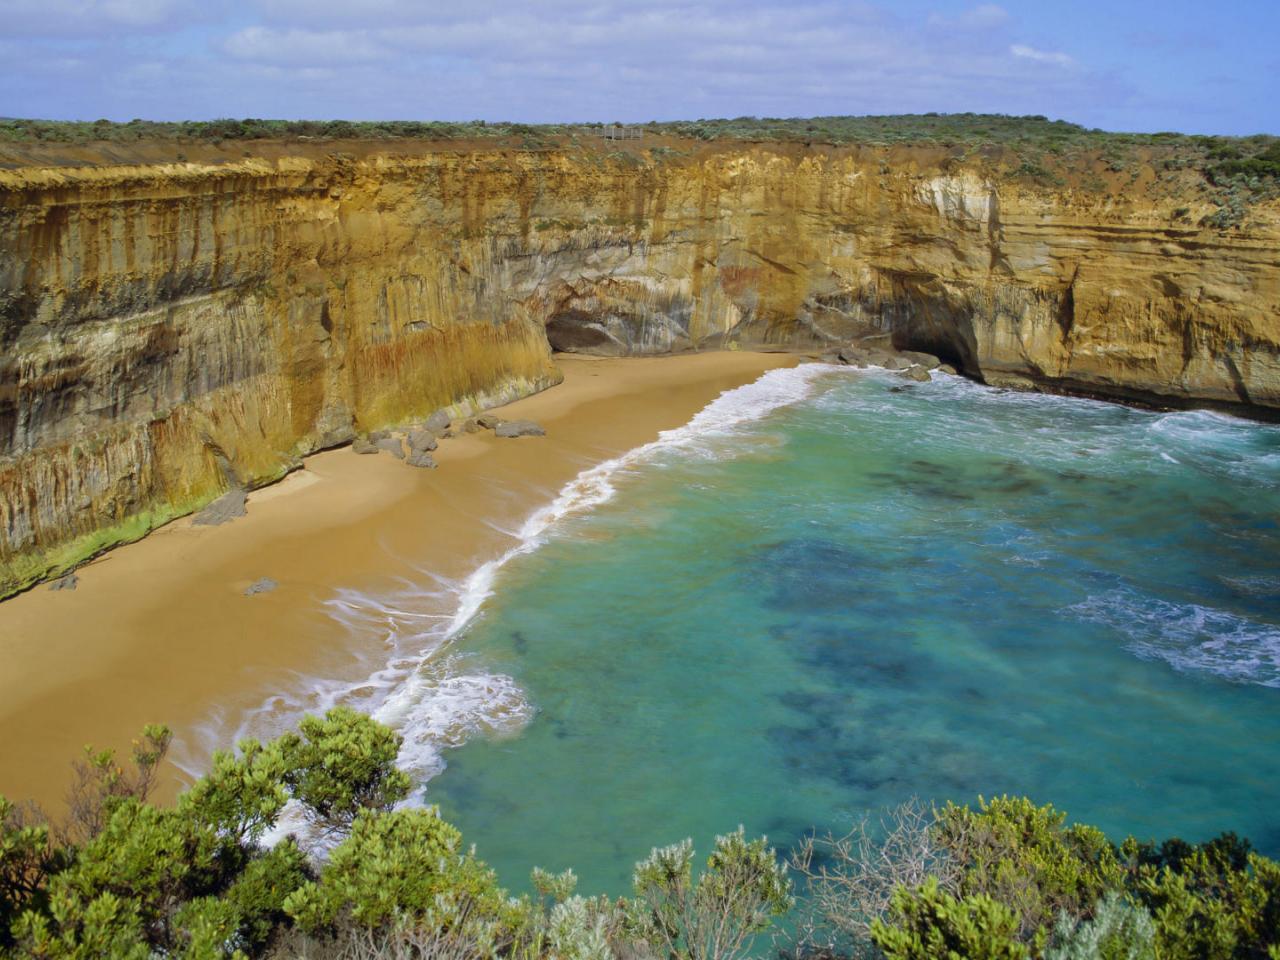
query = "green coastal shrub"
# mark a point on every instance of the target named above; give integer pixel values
(1027, 857)
(343, 764)
(742, 890)
(402, 866)
(1118, 930)
(930, 924)
(1005, 880)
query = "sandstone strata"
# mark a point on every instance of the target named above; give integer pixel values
(171, 332)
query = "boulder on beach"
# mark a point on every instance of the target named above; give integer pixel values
(488, 421)
(261, 585)
(377, 435)
(68, 582)
(894, 362)
(421, 458)
(917, 373)
(471, 426)
(421, 441)
(519, 428)
(363, 445)
(926, 360)
(947, 368)
(392, 445)
(226, 508)
(438, 422)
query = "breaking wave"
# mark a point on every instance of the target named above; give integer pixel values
(1189, 637)
(437, 697)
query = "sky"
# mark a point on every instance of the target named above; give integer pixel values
(1195, 67)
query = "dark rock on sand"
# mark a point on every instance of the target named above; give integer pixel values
(438, 422)
(420, 458)
(518, 428)
(471, 426)
(69, 582)
(226, 508)
(363, 445)
(392, 445)
(261, 585)
(488, 421)
(421, 441)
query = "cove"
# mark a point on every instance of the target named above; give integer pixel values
(876, 591)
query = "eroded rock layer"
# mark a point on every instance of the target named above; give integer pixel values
(170, 331)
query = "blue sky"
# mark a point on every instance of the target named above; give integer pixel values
(1199, 67)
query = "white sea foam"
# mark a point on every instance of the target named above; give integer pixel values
(1189, 637)
(436, 697)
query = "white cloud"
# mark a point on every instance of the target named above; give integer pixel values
(544, 60)
(302, 47)
(987, 16)
(75, 18)
(1042, 56)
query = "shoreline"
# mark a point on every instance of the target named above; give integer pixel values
(161, 630)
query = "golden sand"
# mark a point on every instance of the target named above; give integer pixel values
(161, 630)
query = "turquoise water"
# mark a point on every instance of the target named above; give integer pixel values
(787, 617)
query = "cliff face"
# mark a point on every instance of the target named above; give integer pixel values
(170, 330)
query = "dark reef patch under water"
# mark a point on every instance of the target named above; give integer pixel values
(867, 596)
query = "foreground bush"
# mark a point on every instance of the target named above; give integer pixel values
(1011, 879)
(123, 878)
(363, 880)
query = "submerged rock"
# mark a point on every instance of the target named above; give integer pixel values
(261, 585)
(226, 508)
(519, 428)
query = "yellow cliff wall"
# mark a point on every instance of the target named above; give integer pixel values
(171, 329)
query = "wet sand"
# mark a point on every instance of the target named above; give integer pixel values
(161, 631)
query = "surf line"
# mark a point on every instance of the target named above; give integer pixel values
(431, 693)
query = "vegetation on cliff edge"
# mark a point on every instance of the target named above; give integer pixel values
(1232, 172)
(365, 877)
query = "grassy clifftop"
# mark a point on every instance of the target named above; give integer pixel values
(1235, 172)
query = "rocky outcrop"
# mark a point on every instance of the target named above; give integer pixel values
(171, 332)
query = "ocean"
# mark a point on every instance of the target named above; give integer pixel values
(835, 590)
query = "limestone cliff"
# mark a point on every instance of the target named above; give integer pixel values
(172, 329)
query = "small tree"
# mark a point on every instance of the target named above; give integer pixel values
(343, 764)
(402, 868)
(742, 891)
(851, 879)
(100, 782)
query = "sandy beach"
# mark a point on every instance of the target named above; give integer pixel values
(162, 631)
